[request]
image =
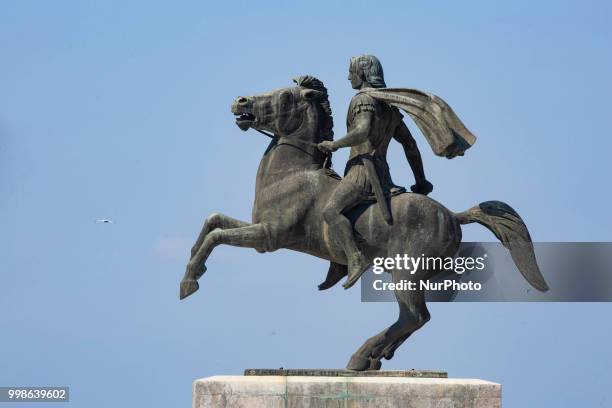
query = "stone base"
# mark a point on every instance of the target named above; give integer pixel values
(344, 392)
(335, 372)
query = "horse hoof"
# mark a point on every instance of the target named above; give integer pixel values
(335, 273)
(374, 365)
(188, 287)
(325, 285)
(358, 363)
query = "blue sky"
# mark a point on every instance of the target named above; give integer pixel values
(121, 110)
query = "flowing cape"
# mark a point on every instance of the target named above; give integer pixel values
(442, 128)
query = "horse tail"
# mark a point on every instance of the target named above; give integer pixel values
(509, 228)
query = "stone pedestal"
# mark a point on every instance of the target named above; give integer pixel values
(344, 392)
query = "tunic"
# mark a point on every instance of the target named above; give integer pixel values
(384, 122)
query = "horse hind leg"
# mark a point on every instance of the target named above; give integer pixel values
(413, 314)
(368, 356)
(389, 351)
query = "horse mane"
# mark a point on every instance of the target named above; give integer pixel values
(326, 126)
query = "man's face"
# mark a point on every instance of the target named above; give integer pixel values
(355, 78)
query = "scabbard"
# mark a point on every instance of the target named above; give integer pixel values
(383, 204)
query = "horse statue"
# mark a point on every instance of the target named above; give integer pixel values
(293, 184)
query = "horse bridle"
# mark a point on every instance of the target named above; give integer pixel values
(295, 143)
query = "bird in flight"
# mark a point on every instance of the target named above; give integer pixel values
(104, 221)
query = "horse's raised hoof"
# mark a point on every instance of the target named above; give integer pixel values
(188, 287)
(324, 285)
(358, 363)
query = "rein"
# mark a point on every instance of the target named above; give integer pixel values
(295, 143)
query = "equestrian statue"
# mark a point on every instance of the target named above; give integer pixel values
(303, 205)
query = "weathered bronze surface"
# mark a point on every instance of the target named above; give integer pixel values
(303, 205)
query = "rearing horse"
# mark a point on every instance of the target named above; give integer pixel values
(292, 187)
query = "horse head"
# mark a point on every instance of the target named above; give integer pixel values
(298, 112)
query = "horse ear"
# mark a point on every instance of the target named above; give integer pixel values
(310, 94)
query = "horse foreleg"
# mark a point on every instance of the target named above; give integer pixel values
(213, 222)
(252, 236)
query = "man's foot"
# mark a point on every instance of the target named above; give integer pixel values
(358, 264)
(422, 187)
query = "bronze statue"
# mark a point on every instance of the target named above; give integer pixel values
(294, 185)
(371, 124)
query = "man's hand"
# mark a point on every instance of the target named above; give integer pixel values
(327, 147)
(422, 187)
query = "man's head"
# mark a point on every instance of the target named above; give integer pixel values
(366, 70)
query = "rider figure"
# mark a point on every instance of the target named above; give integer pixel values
(370, 126)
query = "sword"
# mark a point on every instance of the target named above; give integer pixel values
(378, 191)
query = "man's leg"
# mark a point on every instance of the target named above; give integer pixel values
(345, 197)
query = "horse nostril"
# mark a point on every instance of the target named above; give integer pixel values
(242, 100)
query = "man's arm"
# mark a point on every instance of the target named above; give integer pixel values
(360, 132)
(403, 135)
